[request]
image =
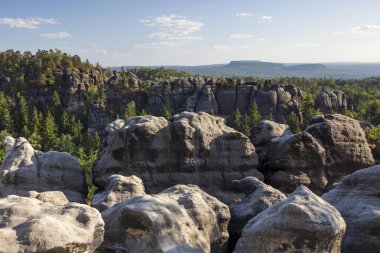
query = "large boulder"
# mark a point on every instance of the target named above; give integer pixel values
(302, 223)
(37, 225)
(25, 169)
(345, 142)
(357, 198)
(118, 189)
(180, 219)
(294, 160)
(196, 148)
(259, 196)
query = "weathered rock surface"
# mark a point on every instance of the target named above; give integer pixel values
(180, 219)
(346, 146)
(302, 223)
(32, 225)
(263, 132)
(328, 102)
(259, 197)
(357, 198)
(25, 169)
(118, 189)
(294, 160)
(196, 148)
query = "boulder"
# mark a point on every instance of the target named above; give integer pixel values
(259, 196)
(345, 142)
(25, 169)
(327, 102)
(294, 160)
(180, 219)
(32, 225)
(8, 142)
(264, 131)
(357, 198)
(302, 223)
(196, 148)
(118, 189)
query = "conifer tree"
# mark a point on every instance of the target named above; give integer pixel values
(6, 120)
(236, 119)
(254, 114)
(293, 122)
(130, 111)
(49, 133)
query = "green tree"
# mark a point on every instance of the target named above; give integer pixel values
(254, 114)
(130, 111)
(6, 121)
(22, 116)
(65, 122)
(236, 119)
(293, 122)
(49, 133)
(167, 110)
(35, 121)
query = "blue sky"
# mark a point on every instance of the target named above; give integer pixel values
(174, 32)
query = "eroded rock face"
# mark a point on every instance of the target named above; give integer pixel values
(294, 160)
(331, 101)
(264, 131)
(302, 223)
(118, 189)
(259, 196)
(32, 225)
(357, 198)
(25, 169)
(180, 219)
(196, 148)
(346, 146)
(8, 143)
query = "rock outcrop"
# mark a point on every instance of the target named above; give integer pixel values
(347, 149)
(302, 223)
(179, 219)
(357, 198)
(294, 160)
(25, 169)
(196, 148)
(328, 102)
(259, 197)
(118, 189)
(37, 225)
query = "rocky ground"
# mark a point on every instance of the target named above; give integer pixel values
(193, 184)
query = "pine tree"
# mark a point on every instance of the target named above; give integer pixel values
(75, 128)
(254, 114)
(56, 106)
(49, 134)
(246, 127)
(65, 122)
(293, 122)
(6, 121)
(35, 121)
(130, 111)
(236, 119)
(167, 111)
(22, 113)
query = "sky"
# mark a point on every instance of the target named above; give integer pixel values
(196, 32)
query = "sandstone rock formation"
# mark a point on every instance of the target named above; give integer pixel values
(294, 160)
(263, 132)
(346, 146)
(32, 225)
(196, 148)
(328, 102)
(259, 197)
(357, 198)
(180, 219)
(25, 169)
(118, 189)
(8, 143)
(302, 223)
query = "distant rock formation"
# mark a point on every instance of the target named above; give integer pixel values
(180, 219)
(328, 102)
(48, 223)
(302, 223)
(357, 198)
(25, 169)
(195, 148)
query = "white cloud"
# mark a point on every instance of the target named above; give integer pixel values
(225, 47)
(307, 45)
(59, 35)
(365, 29)
(173, 28)
(157, 45)
(31, 23)
(266, 19)
(241, 36)
(244, 14)
(101, 51)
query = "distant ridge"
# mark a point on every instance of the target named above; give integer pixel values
(272, 69)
